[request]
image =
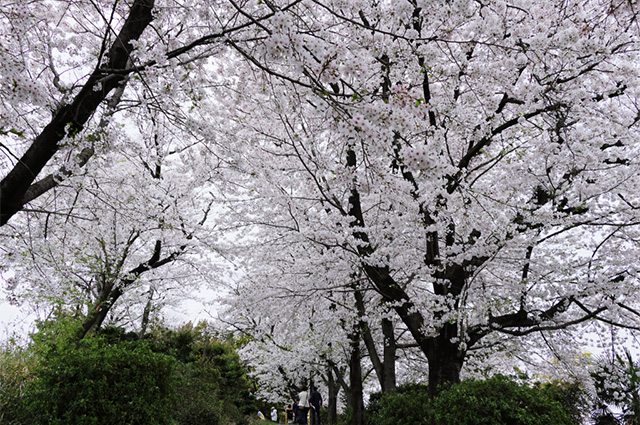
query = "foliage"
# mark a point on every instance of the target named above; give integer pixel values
(408, 404)
(572, 396)
(16, 374)
(495, 401)
(182, 376)
(93, 381)
(471, 167)
(346, 416)
(199, 399)
(499, 401)
(210, 380)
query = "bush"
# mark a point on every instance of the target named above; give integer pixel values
(495, 401)
(408, 404)
(176, 377)
(16, 367)
(199, 397)
(210, 377)
(94, 382)
(499, 401)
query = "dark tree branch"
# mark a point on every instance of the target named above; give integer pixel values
(101, 307)
(70, 119)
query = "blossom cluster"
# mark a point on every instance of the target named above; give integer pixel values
(422, 158)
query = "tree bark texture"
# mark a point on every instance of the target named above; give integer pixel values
(385, 367)
(332, 396)
(388, 356)
(355, 380)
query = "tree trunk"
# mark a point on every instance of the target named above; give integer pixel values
(108, 297)
(389, 356)
(332, 396)
(386, 367)
(355, 381)
(442, 351)
(445, 360)
(147, 313)
(98, 312)
(70, 119)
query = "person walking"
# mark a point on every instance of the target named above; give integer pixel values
(274, 415)
(303, 406)
(315, 401)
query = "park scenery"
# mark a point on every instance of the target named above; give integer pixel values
(427, 210)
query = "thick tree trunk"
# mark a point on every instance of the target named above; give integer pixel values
(355, 381)
(389, 356)
(442, 351)
(445, 360)
(332, 396)
(98, 312)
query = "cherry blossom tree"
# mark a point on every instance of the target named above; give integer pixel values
(465, 171)
(103, 142)
(475, 163)
(66, 59)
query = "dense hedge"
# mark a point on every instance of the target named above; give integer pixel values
(495, 401)
(210, 381)
(499, 401)
(95, 382)
(408, 404)
(179, 377)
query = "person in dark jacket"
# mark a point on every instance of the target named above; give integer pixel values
(295, 411)
(315, 400)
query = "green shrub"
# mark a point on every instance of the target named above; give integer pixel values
(408, 404)
(495, 401)
(94, 382)
(16, 373)
(210, 377)
(499, 401)
(199, 399)
(186, 376)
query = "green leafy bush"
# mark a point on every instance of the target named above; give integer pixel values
(408, 404)
(495, 401)
(93, 382)
(183, 376)
(200, 401)
(210, 377)
(499, 401)
(16, 367)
